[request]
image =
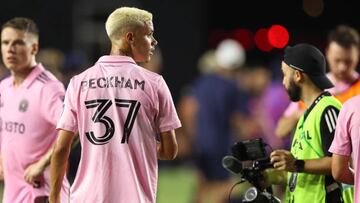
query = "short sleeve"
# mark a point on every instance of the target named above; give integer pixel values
(327, 127)
(68, 119)
(342, 140)
(52, 96)
(293, 107)
(167, 118)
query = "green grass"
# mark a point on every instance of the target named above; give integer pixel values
(176, 185)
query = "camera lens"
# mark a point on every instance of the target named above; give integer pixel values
(250, 194)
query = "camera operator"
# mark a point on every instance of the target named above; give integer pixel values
(309, 162)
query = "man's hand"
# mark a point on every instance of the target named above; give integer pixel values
(34, 174)
(283, 160)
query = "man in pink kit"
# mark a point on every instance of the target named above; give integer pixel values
(118, 108)
(31, 102)
(346, 146)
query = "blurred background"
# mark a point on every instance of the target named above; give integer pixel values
(73, 37)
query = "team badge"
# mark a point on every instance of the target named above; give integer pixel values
(23, 105)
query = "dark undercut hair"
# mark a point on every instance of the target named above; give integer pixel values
(24, 24)
(345, 36)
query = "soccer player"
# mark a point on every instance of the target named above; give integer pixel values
(118, 108)
(345, 145)
(309, 162)
(31, 102)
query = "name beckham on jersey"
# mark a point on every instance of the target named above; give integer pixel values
(112, 82)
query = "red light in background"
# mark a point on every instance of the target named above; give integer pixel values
(261, 40)
(245, 37)
(278, 36)
(216, 36)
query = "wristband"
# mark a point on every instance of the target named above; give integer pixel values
(299, 165)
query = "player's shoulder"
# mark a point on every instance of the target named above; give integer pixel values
(45, 76)
(6, 81)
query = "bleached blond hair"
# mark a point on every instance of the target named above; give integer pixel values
(124, 18)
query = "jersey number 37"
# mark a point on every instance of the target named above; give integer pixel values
(102, 105)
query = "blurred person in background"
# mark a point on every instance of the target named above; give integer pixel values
(31, 101)
(213, 112)
(54, 60)
(267, 100)
(117, 117)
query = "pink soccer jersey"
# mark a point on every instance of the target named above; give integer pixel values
(347, 137)
(119, 108)
(28, 117)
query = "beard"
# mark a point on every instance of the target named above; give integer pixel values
(294, 92)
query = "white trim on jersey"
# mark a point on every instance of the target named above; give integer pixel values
(331, 117)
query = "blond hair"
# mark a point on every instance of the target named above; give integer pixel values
(124, 18)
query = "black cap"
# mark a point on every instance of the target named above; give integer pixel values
(308, 59)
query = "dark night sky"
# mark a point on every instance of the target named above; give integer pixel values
(182, 27)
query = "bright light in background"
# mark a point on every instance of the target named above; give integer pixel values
(245, 37)
(261, 40)
(313, 8)
(278, 36)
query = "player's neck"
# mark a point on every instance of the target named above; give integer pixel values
(309, 94)
(20, 76)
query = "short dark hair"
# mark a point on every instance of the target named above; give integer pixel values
(345, 36)
(24, 24)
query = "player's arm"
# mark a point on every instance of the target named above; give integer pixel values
(33, 171)
(167, 148)
(284, 160)
(341, 169)
(285, 125)
(58, 163)
(1, 170)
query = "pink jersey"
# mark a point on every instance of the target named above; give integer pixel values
(28, 117)
(347, 137)
(118, 109)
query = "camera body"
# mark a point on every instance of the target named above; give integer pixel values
(249, 158)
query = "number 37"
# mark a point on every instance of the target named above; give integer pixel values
(102, 105)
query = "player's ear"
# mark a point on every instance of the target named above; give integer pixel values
(298, 76)
(129, 36)
(34, 48)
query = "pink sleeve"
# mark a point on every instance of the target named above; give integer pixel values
(342, 141)
(293, 107)
(52, 97)
(68, 119)
(167, 118)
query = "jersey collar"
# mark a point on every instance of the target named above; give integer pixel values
(323, 94)
(31, 77)
(115, 59)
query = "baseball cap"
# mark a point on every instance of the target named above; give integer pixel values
(308, 59)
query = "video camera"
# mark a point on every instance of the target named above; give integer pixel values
(249, 158)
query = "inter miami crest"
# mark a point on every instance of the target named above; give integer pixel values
(23, 105)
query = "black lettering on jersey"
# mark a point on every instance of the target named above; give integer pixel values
(102, 105)
(308, 136)
(128, 84)
(112, 82)
(14, 127)
(133, 106)
(141, 84)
